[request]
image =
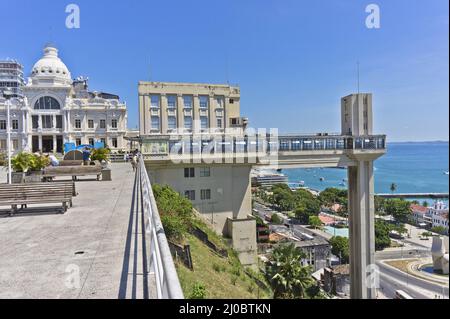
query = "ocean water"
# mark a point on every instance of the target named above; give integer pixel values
(414, 167)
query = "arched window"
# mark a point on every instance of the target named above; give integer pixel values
(47, 103)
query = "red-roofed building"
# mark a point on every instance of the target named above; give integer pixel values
(418, 215)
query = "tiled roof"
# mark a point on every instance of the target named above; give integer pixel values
(418, 209)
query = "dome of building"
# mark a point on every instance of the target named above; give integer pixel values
(50, 65)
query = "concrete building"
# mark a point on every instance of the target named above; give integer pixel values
(418, 215)
(56, 109)
(212, 167)
(11, 77)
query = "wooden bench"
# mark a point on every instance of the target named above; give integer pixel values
(77, 170)
(36, 193)
(70, 163)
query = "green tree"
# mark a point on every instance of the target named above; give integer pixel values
(425, 203)
(399, 208)
(380, 203)
(340, 247)
(382, 239)
(287, 277)
(330, 196)
(275, 219)
(315, 222)
(283, 197)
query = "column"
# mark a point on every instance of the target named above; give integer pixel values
(163, 113)
(180, 113)
(362, 230)
(196, 114)
(54, 143)
(212, 113)
(40, 143)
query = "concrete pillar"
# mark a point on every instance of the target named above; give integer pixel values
(361, 230)
(196, 114)
(212, 113)
(164, 120)
(54, 143)
(180, 113)
(40, 143)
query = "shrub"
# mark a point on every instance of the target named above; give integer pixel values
(234, 280)
(251, 288)
(217, 267)
(100, 154)
(198, 291)
(275, 219)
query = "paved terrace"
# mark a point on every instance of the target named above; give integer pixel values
(101, 236)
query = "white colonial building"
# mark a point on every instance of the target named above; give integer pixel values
(56, 110)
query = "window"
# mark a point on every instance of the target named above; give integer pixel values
(2, 124)
(58, 121)
(91, 124)
(103, 140)
(188, 122)
(219, 102)
(15, 145)
(205, 172)
(155, 123)
(154, 101)
(219, 123)
(187, 101)
(203, 101)
(114, 123)
(47, 103)
(189, 172)
(171, 101)
(15, 124)
(35, 121)
(190, 194)
(78, 141)
(91, 141)
(102, 123)
(203, 122)
(114, 142)
(172, 122)
(2, 144)
(77, 123)
(47, 121)
(205, 194)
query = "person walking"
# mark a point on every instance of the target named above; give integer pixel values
(86, 155)
(134, 162)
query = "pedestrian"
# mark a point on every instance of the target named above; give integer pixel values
(86, 156)
(134, 162)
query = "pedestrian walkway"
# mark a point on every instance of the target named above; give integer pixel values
(95, 250)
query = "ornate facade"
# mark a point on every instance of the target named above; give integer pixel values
(56, 110)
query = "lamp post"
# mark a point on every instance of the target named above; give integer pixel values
(7, 95)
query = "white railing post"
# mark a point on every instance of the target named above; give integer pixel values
(161, 261)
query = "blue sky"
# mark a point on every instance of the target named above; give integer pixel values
(293, 59)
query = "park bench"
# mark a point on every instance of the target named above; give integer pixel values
(36, 193)
(75, 170)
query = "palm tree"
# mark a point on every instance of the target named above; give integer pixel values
(288, 278)
(393, 188)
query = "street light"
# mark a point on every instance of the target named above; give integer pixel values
(7, 94)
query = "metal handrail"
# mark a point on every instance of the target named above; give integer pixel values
(161, 261)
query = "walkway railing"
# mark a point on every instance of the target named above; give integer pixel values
(161, 262)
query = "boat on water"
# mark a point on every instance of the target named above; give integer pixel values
(446, 173)
(322, 179)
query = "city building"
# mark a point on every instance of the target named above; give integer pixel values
(210, 161)
(11, 77)
(418, 215)
(438, 215)
(56, 110)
